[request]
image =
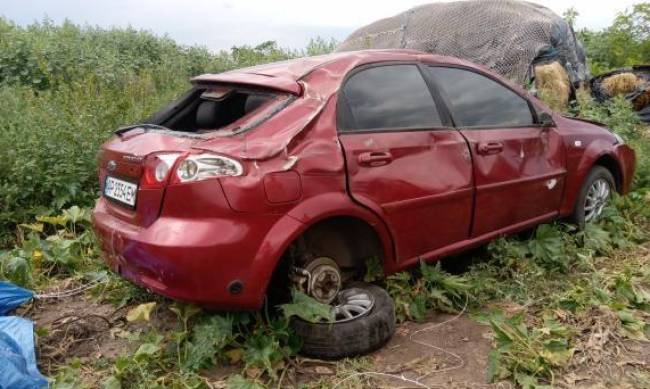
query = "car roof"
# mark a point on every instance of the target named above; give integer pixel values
(284, 75)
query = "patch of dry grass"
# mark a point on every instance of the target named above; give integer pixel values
(553, 85)
(621, 84)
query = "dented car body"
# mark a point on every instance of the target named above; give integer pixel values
(202, 204)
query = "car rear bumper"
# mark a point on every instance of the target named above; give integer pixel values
(208, 261)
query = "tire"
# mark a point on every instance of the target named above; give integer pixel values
(352, 338)
(578, 217)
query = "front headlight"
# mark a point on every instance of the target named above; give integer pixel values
(202, 166)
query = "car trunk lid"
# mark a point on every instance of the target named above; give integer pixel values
(124, 158)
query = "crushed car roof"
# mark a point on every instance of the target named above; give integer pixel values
(284, 75)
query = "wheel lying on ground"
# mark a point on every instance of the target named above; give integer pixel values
(365, 321)
(594, 195)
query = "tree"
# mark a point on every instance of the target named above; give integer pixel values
(570, 15)
(626, 42)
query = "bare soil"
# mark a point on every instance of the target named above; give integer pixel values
(447, 351)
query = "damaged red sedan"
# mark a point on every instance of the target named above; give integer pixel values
(295, 173)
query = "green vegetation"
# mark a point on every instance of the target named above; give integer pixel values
(66, 88)
(626, 42)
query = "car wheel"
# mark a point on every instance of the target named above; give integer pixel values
(594, 196)
(364, 321)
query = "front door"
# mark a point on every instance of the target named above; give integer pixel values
(518, 165)
(403, 158)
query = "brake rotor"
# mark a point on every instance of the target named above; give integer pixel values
(325, 280)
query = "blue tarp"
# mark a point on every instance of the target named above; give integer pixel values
(18, 368)
(12, 296)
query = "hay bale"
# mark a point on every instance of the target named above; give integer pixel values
(621, 84)
(642, 100)
(553, 85)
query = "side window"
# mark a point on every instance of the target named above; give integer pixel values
(478, 101)
(387, 97)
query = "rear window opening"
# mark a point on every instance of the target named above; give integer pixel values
(224, 110)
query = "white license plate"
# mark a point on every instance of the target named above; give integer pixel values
(120, 190)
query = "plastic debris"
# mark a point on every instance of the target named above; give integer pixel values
(18, 369)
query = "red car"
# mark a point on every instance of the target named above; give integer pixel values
(299, 171)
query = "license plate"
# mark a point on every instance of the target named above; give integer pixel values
(123, 191)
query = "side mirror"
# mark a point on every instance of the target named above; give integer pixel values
(545, 120)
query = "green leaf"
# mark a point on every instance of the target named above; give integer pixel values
(184, 311)
(17, 270)
(60, 220)
(418, 308)
(76, 214)
(547, 244)
(37, 227)
(262, 351)
(495, 370)
(238, 382)
(374, 270)
(111, 382)
(146, 350)
(307, 308)
(529, 382)
(209, 338)
(140, 313)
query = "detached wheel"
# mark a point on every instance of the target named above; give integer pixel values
(365, 321)
(594, 196)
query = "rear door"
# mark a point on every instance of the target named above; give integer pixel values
(403, 158)
(518, 165)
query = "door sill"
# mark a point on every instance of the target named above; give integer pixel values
(467, 244)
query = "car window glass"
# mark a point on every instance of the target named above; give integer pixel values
(478, 101)
(392, 96)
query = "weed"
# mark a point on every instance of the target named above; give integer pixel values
(526, 354)
(55, 245)
(435, 289)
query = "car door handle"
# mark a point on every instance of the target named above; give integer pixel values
(490, 148)
(375, 158)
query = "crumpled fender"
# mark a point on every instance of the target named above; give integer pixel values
(294, 223)
(594, 151)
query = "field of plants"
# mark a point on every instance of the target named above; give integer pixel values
(557, 307)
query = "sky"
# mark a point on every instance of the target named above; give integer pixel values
(221, 24)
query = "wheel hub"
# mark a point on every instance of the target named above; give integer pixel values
(325, 279)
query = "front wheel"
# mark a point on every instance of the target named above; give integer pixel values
(594, 196)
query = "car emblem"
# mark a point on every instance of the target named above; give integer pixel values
(132, 158)
(111, 165)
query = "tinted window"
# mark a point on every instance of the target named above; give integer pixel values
(394, 96)
(480, 101)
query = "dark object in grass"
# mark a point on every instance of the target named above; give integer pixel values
(618, 82)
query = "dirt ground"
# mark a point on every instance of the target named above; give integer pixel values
(445, 351)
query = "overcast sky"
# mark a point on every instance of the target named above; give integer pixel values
(221, 24)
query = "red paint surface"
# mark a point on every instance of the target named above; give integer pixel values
(426, 193)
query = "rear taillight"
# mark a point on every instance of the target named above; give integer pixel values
(203, 166)
(156, 170)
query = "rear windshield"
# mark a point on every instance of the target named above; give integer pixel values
(221, 110)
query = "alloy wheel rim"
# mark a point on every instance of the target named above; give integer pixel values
(352, 304)
(596, 199)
